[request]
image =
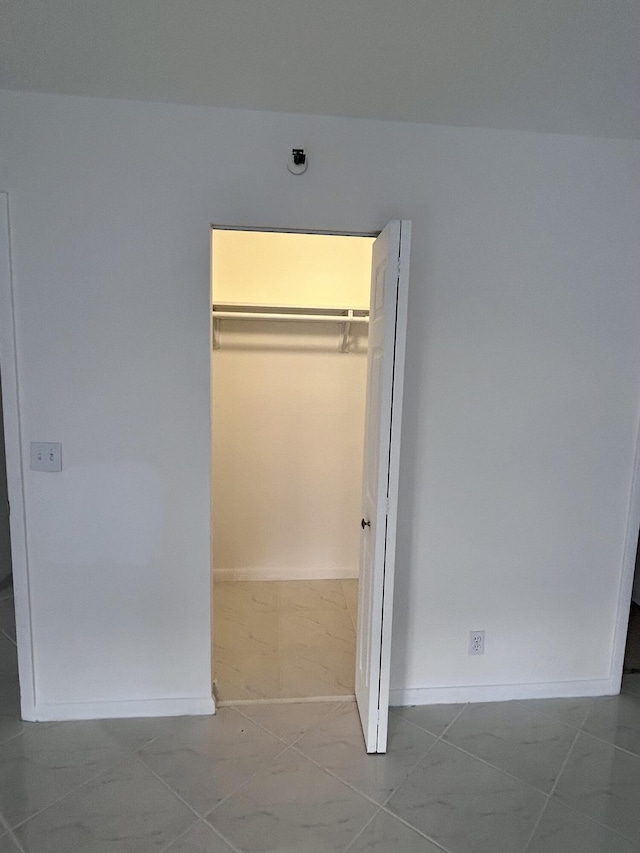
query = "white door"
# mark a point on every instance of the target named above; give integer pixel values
(383, 415)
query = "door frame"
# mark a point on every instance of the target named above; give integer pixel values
(217, 226)
(15, 473)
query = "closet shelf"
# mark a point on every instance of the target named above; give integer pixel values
(307, 314)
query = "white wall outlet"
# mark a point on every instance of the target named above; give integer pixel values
(476, 642)
(46, 456)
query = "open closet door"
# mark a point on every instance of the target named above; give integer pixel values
(383, 417)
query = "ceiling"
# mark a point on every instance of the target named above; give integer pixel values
(560, 66)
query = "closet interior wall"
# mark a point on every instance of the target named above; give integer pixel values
(287, 409)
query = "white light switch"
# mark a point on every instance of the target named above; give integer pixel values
(46, 456)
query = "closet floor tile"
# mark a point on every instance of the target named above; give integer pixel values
(284, 639)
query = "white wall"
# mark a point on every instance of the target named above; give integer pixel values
(288, 435)
(522, 389)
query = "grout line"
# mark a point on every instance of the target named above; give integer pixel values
(550, 715)
(415, 829)
(493, 766)
(334, 775)
(12, 737)
(299, 738)
(128, 753)
(409, 773)
(231, 844)
(446, 728)
(358, 834)
(9, 833)
(564, 763)
(191, 808)
(179, 837)
(422, 728)
(73, 790)
(260, 769)
(548, 799)
(9, 637)
(186, 803)
(611, 744)
(590, 819)
(15, 840)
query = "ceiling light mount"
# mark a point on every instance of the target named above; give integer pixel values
(298, 161)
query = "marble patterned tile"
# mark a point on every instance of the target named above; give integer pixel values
(244, 597)
(254, 633)
(563, 830)
(386, 834)
(47, 761)
(124, 809)
(311, 596)
(8, 658)
(282, 639)
(134, 733)
(9, 693)
(245, 654)
(7, 845)
(466, 806)
(291, 720)
(303, 676)
(529, 745)
(10, 726)
(320, 634)
(205, 759)
(240, 675)
(631, 684)
(573, 712)
(616, 719)
(292, 805)
(337, 745)
(431, 718)
(8, 618)
(200, 839)
(603, 782)
(350, 592)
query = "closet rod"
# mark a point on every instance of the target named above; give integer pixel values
(306, 318)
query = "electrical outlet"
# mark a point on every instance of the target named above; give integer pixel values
(476, 642)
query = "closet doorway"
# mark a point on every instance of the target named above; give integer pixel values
(294, 391)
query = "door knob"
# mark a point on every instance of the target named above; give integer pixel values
(364, 524)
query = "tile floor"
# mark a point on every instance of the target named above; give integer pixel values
(541, 776)
(284, 639)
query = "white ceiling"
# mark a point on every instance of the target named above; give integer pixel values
(565, 66)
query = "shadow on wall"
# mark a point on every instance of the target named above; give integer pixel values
(635, 595)
(5, 539)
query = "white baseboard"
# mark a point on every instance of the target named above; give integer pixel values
(500, 692)
(260, 573)
(186, 707)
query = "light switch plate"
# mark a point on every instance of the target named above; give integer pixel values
(46, 456)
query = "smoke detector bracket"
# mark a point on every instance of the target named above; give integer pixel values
(298, 162)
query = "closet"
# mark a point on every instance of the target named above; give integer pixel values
(288, 386)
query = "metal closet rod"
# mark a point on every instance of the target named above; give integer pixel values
(347, 315)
